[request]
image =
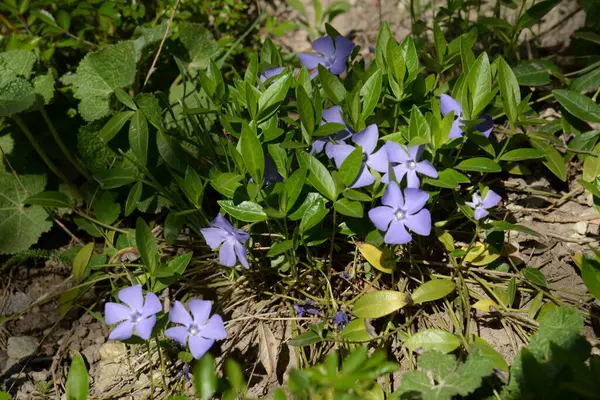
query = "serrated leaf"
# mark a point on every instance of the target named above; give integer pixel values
(432, 290)
(200, 44)
(16, 62)
(16, 95)
(380, 303)
(267, 348)
(246, 211)
(43, 85)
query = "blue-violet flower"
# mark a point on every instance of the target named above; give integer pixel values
(340, 319)
(332, 57)
(448, 104)
(407, 163)
(270, 73)
(307, 308)
(138, 314)
(200, 331)
(480, 206)
(400, 212)
(229, 238)
(333, 114)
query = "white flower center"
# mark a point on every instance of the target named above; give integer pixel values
(411, 164)
(193, 329)
(400, 214)
(136, 317)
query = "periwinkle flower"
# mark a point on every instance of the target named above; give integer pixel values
(138, 314)
(340, 320)
(399, 212)
(197, 330)
(229, 238)
(448, 104)
(367, 139)
(407, 163)
(333, 114)
(308, 308)
(481, 205)
(270, 73)
(333, 57)
(185, 373)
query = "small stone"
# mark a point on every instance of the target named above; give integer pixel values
(19, 347)
(15, 302)
(39, 376)
(80, 332)
(112, 350)
(581, 227)
(100, 340)
(91, 353)
(593, 229)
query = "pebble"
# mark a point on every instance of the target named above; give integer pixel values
(112, 350)
(91, 353)
(593, 229)
(581, 227)
(14, 303)
(19, 347)
(39, 376)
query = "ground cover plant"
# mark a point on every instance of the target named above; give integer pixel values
(340, 221)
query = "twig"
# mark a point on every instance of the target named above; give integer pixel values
(567, 219)
(565, 198)
(572, 240)
(162, 42)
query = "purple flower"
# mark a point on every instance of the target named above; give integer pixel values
(270, 73)
(480, 206)
(340, 319)
(367, 139)
(137, 314)
(200, 331)
(332, 57)
(448, 104)
(333, 114)
(230, 239)
(407, 163)
(400, 212)
(307, 308)
(271, 173)
(185, 373)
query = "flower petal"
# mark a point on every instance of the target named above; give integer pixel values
(151, 306)
(412, 180)
(397, 234)
(399, 172)
(333, 114)
(486, 126)
(392, 197)
(415, 199)
(379, 160)
(339, 152)
(343, 46)
(214, 328)
(311, 61)
(144, 327)
(271, 73)
(367, 138)
(227, 254)
(381, 217)
(491, 199)
(324, 45)
(179, 315)
(115, 312)
(199, 345)
(200, 310)
(241, 253)
(455, 131)
(364, 179)
(318, 145)
(414, 152)
(420, 222)
(424, 167)
(338, 66)
(179, 334)
(448, 104)
(122, 331)
(241, 235)
(470, 204)
(481, 213)
(133, 297)
(396, 153)
(214, 236)
(221, 222)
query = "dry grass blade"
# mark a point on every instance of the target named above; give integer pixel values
(268, 347)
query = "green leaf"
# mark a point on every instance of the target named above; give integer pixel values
(313, 215)
(273, 95)
(133, 198)
(80, 262)
(577, 104)
(99, 73)
(20, 226)
(115, 177)
(439, 41)
(351, 166)
(586, 82)
(487, 351)
(305, 339)
(16, 95)
(171, 151)
(306, 111)
(370, 93)
(43, 85)
(16, 62)
(380, 303)
(148, 104)
(225, 183)
(504, 226)
(432, 290)
(333, 87)
(200, 44)
(106, 209)
(522, 154)
(125, 98)
(146, 244)
(49, 199)
(479, 164)
(205, 377)
(292, 187)
(535, 13)
(114, 125)
(591, 166)
(252, 153)
(532, 73)
(448, 178)
(318, 175)
(417, 125)
(535, 276)
(480, 84)
(173, 226)
(509, 90)
(328, 129)
(246, 211)
(356, 331)
(349, 208)
(554, 161)
(280, 248)
(433, 339)
(78, 385)
(138, 137)
(383, 37)
(590, 273)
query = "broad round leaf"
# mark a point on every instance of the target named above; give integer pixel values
(383, 260)
(433, 339)
(380, 303)
(432, 290)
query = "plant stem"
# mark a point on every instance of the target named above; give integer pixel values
(62, 145)
(38, 148)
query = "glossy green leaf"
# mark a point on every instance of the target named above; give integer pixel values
(292, 187)
(280, 248)
(252, 153)
(115, 177)
(146, 244)
(49, 199)
(246, 211)
(356, 331)
(417, 125)
(370, 93)
(313, 215)
(226, 183)
(590, 273)
(585, 82)
(535, 276)
(433, 339)
(535, 13)
(487, 351)
(318, 175)
(205, 377)
(479, 164)
(579, 105)
(432, 290)
(553, 160)
(448, 178)
(351, 166)
(349, 208)
(274, 94)
(380, 303)
(80, 262)
(480, 84)
(333, 87)
(133, 198)
(522, 154)
(78, 385)
(139, 137)
(532, 73)
(114, 125)
(125, 98)
(505, 226)
(509, 90)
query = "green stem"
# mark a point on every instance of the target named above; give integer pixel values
(331, 247)
(63, 147)
(38, 148)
